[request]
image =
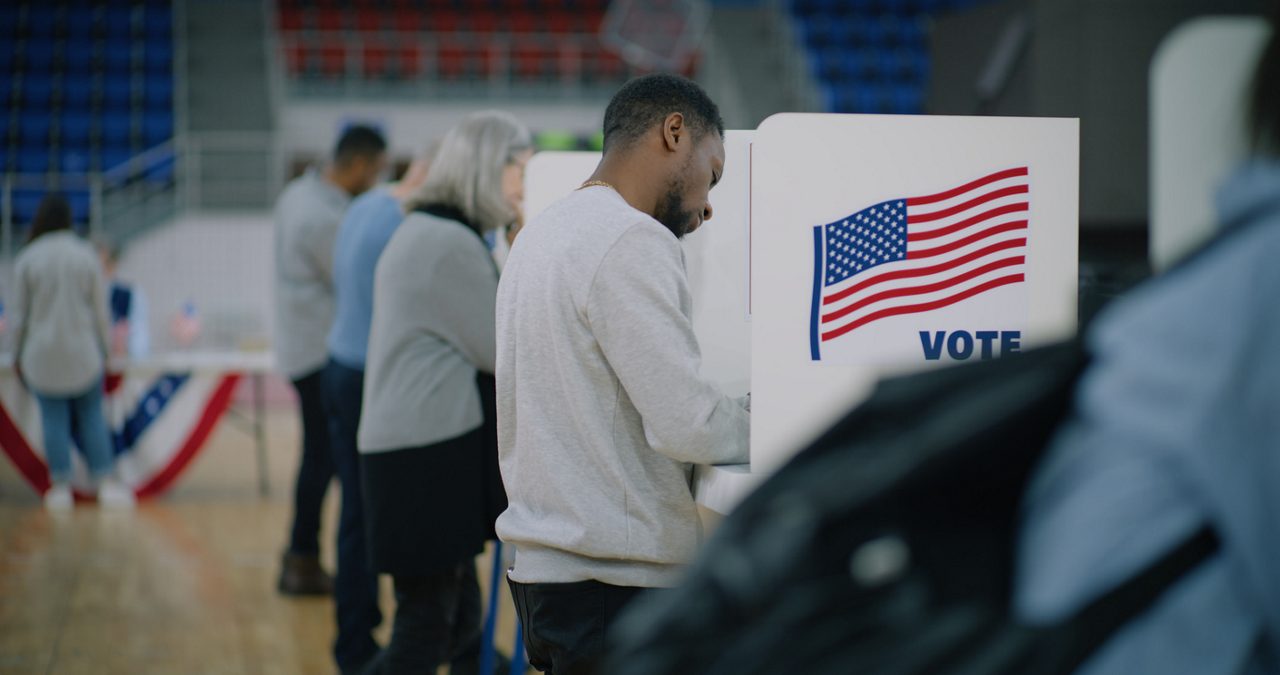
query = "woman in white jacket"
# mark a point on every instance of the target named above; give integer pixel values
(61, 334)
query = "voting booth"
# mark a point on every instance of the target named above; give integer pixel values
(844, 248)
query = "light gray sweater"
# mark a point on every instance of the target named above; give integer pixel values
(433, 295)
(307, 217)
(601, 412)
(59, 315)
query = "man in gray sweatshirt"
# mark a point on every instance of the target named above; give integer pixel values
(601, 411)
(307, 216)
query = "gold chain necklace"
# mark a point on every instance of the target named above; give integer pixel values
(597, 183)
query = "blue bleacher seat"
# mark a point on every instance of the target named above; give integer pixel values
(8, 19)
(6, 88)
(117, 91)
(37, 92)
(159, 22)
(79, 57)
(118, 55)
(74, 161)
(817, 34)
(41, 21)
(33, 128)
(906, 99)
(827, 63)
(33, 160)
(113, 157)
(6, 57)
(77, 91)
(79, 202)
(119, 20)
(75, 126)
(159, 92)
(25, 203)
(39, 54)
(116, 127)
(157, 128)
(79, 23)
(867, 99)
(158, 55)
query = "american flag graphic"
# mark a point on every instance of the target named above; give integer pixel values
(918, 254)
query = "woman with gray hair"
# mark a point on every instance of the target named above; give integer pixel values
(427, 438)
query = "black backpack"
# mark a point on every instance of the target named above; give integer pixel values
(887, 546)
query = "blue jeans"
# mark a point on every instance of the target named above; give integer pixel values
(355, 586)
(55, 417)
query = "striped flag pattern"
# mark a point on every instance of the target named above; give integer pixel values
(918, 254)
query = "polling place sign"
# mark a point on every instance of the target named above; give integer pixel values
(883, 244)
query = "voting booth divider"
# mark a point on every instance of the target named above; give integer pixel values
(844, 248)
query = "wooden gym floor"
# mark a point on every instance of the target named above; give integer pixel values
(183, 585)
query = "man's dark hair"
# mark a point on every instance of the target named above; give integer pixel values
(53, 214)
(1264, 103)
(359, 141)
(646, 101)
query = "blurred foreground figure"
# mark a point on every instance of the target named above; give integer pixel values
(1175, 426)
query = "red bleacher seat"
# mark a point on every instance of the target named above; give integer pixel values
(333, 59)
(451, 62)
(482, 22)
(522, 22)
(455, 40)
(591, 21)
(369, 19)
(443, 22)
(407, 20)
(561, 23)
(290, 19)
(376, 60)
(534, 59)
(295, 55)
(602, 64)
(330, 19)
(409, 59)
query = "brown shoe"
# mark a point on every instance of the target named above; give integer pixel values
(302, 575)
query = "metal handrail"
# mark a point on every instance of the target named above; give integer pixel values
(102, 185)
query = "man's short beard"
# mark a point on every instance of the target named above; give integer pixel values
(671, 213)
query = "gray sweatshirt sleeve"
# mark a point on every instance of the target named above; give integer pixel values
(464, 291)
(318, 247)
(638, 308)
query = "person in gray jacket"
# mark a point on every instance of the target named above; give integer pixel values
(427, 438)
(601, 410)
(59, 309)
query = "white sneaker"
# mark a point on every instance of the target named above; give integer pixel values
(114, 494)
(59, 498)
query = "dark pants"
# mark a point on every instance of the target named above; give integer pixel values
(315, 471)
(437, 620)
(355, 587)
(565, 624)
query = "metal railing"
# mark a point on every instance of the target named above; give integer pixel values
(122, 201)
(231, 170)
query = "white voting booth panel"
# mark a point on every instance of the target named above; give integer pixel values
(768, 323)
(1199, 84)
(717, 260)
(883, 244)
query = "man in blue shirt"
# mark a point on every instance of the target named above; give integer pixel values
(365, 230)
